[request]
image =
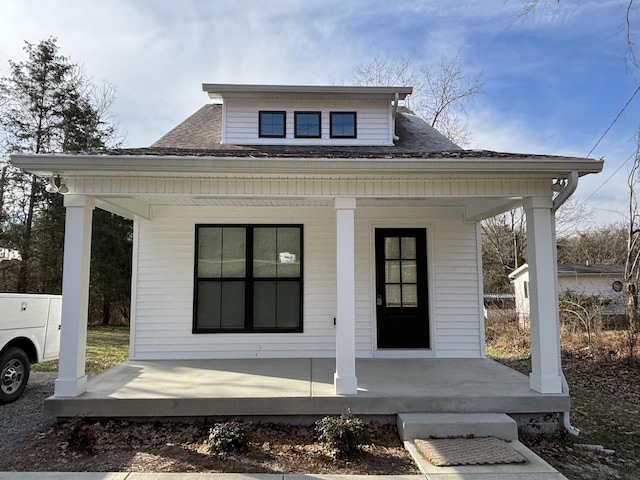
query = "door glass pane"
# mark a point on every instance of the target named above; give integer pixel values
(409, 295)
(208, 305)
(391, 248)
(232, 314)
(409, 274)
(264, 252)
(288, 252)
(209, 252)
(288, 304)
(264, 305)
(233, 252)
(393, 296)
(392, 271)
(408, 245)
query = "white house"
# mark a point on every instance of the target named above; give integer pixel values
(603, 281)
(308, 222)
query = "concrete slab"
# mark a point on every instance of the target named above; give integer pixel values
(443, 425)
(534, 468)
(304, 387)
(62, 476)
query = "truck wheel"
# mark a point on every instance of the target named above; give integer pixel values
(14, 374)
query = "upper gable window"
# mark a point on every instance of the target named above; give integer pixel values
(272, 124)
(307, 124)
(343, 124)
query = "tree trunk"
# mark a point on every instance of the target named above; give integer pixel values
(632, 307)
(25, 249)
(106, 313)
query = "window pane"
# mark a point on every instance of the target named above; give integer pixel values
(392, 271)
(408, 247)
(393, 296)
(391, 248)
(307, 124)
(409, 295)
(264, 305)
(343, 124)
(233, 252)
(288, 249)
(288, 304)
(209, 252)
(208, 305)
(232, 314)
(264, 252)
(272, 124)
(409, 274)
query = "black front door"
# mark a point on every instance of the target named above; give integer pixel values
(401, 288)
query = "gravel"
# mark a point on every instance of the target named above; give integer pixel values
(25, 414)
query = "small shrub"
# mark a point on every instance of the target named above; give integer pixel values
(79, 436)
(228, 436)
(343, 435)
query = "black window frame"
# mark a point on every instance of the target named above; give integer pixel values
(249, 280)
(272, 112)
(296, 134)
(355, 125)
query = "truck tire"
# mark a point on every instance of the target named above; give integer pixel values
(14, 374)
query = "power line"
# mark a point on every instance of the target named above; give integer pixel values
(610, 176)
(614, 121)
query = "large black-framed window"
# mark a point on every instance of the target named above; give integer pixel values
(272, 124)
(248, 278)
(343, 124)
(307, 124)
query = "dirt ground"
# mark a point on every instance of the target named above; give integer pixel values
(180, 447)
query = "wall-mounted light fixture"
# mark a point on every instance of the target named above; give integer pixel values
(56, 185)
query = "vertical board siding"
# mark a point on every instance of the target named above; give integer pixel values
(373, 122)
(165, 270)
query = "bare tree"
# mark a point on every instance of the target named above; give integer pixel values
(632, 263)
(440, 92)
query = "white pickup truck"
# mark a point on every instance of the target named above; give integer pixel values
(29, 333)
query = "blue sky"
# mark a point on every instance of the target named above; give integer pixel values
(553, 82)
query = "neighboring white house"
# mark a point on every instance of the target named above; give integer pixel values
(604, 281)
(308, 221)
(9, 254)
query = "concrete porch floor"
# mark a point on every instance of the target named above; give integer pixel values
(303, 387)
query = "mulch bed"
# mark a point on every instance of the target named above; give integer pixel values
(115, 445)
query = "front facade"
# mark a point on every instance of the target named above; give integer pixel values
(308, 222)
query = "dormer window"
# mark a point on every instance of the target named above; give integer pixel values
(272, 124)
(343, 125)
(307, 124)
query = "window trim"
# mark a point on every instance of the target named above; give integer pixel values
(355, 124)
(249, 280)
(295, 124)
(272, 112)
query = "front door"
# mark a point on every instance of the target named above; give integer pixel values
(401, 288)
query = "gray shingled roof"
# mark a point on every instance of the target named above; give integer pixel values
(571, 269)
(203, 131)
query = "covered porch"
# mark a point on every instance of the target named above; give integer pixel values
(304, 388)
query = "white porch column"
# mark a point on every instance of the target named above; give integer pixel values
(72, 380)
(345, 380)
(545, 374)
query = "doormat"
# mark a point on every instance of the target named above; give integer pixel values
(447, 452)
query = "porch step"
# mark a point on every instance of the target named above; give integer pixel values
(442, 425)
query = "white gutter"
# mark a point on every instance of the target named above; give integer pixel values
(561, 198)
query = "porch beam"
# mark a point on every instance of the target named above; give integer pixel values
(545, 374)
(72, 379)
(345, 380)
(480, 209)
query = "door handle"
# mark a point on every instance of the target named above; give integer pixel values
(379, 300)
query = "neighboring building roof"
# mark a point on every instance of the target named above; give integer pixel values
(203, 131)
(576, 269)
(571, 269)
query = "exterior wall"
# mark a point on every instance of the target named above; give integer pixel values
(521, 290)
(241, 122)
(163, 285)
(595, 285)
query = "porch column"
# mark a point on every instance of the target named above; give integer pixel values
(72, 380)
(545, 374)
(345, 380)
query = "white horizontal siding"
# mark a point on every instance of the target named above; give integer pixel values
(373, 122)
(162, 327)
